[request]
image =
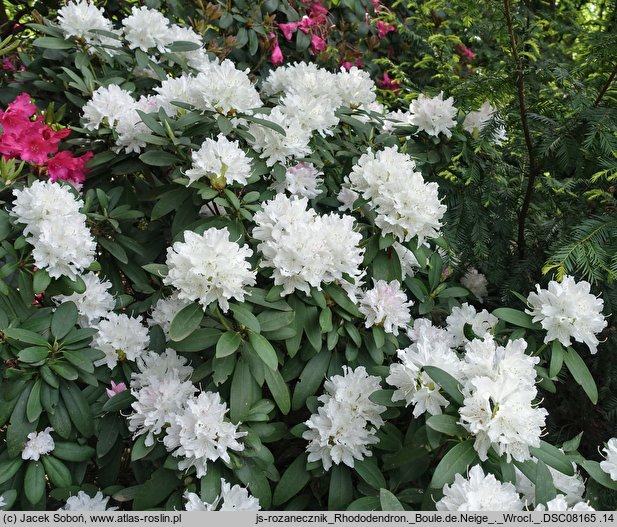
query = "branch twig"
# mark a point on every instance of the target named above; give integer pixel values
(533, 168)
(606, 86)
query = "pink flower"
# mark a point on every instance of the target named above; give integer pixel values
(115, 389)
(388, 84)
(317, 44)
(383, 28)
(276, 57)
(464, 52)
(68, 168)
(8, 65)
(288, 29)
(348, 64)
(376, 4)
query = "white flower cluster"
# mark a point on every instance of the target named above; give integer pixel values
(218, 86)
(499, 390)
(405, 204)
(222, 161)
(568, 310)
(209, 268)
(79, 19)
(166, 401)
(144, 29)
(94, 303)
(55, 227)
(481, 323)
(120, 338)
(571, 488)
(200, 433)
(301, 180)
(479, 492)
(160, 390)
(165, 310)
(433, 115)
(609, 465)
(234, 498)
(431, 346)
(476, 282)
(306, 249)
(38, 444)
(115, 107)
(347, 421)
(475, 122)
(560, 503)
(84, 502)
(386, 305)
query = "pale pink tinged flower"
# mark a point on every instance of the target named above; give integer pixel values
(115, 389)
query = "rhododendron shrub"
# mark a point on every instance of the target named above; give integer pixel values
(249, 302)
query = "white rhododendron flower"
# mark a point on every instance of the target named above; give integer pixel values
(609, 465)
(276, 147)
(161, 389)
(120, 338)
(479, 492)
(568, 310)
(571, 488)
(38, 444)
(405, 204)
(146, 29)
(407, 259)
(94, 303)
(476, 282)
(433, 115)
(200, 433)
(222, 161)
(209, 268)
(431, 347)
(107, 106)
(475, 121)
(77, 19)
(164, 311)
(55, 227)
(306, 249)
(559, 503)
(84, 502)
(499, 390)
(232, 498)
(347, 420)
(301, 180)
(355, 87)
(223, 88)
(482, 323)
(386, 305)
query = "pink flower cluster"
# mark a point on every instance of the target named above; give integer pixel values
(27, 137)
(314, 23)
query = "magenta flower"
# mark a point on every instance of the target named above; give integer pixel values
(383, 28)
(388, 84)
(68, 168)
(288, 29)
(317, 44)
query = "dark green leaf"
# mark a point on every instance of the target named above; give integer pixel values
(57, 472)
(516, 317)
(34, 481)
(581, 373)
(389, 501)
(293, 480)
(456, 461)
(63, 319)
(185, 322)
(264, 349)
(228, 343)
(448, 383)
